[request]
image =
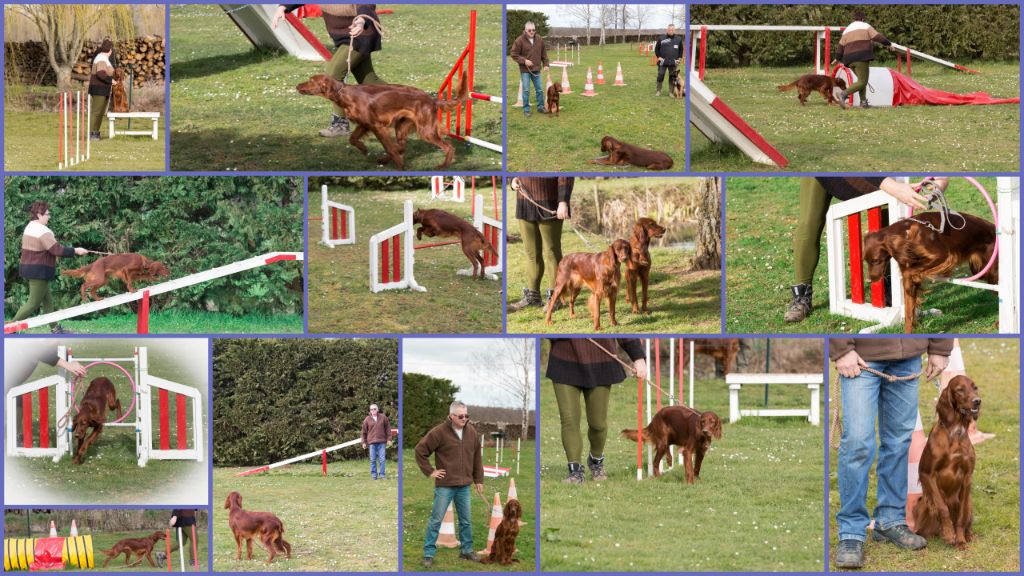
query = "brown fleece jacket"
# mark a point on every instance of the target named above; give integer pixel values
(881, 349)
(460, 459)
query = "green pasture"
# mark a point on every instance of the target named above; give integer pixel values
(417, 502)
(821, 138)
(630, 113)
(757, 505)
(995, 366)
(761, 216)
(340, 300)
(183, 322)
(236, 108)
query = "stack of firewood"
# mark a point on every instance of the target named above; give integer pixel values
(27, 62)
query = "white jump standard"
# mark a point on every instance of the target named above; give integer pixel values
(813, 382)
(337, 221)
(154, 117)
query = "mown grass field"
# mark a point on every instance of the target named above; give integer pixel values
(995, 366)
(110, 474)
(761, 216)
(344, 522)
(630, 113)
(236, 108)
(418, 498)
(183, 322)
(340, 300)
(680, 299)
(820, 138)
(757, 506)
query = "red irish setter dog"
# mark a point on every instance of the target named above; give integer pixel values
(597, 271)
(639, 266)
(262, 526)
(681, 426)
(434, 222)
(947, 467)
(143, 547)
(820, 83)
(504, 546)
(100, 397)
(622, 154)
(127, 267)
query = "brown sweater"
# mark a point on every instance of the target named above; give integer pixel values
(546, 191)
(579, 362)
(881, 349)
(849, 187)
(460, 459)
(856, 43)
(338, 23)
(376, 432)
(39, 253)
(102, 76)
(536, 52)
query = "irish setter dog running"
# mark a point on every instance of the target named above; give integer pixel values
(143, 547)
(100, 397)
(127, 267)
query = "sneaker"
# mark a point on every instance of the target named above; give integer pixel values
(471, 556)
(850, 554)
(899, 535)
(547, 300)
(575, 474)
(428, 562)
(596, 466)
(339, 127)
(842, 99)
(526, 113)
(864, 104)
(530, 298)
(800, 307)
(657, 93)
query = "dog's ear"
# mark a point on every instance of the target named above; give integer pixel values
(945, 409)
(640, 232)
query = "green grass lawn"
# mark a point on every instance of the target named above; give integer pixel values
(343, 522)
(418, 498)
(994, 366)
(820, 138)
(236, 108)
(680, 299)
(340, 300)
(757, 505)
(31, 140)
(184, 322)
(761, 216)
(630, 113)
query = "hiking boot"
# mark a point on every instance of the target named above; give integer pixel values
(575, 474)
(842, 99)
(864, 104)
(58, 329)
(339, 127)
(850, 554)
(526, 113)
(428, 562)
(547, 300)
(657, 92)
(596, 466)
(471, 556)
(800, 307)
(530, 298)
(899, 535)
(94, 135)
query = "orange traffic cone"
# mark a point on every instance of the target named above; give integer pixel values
(917, 442)
(53, 529)
(956, 368)
(519, 95)
(496, 517)
(588, 88)
(600, 73)
(74, 529)
(565, 81)
(619, 81)
(512, 495)
(446, 538)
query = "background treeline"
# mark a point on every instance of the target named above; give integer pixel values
(952, 31)
(189, 223)
(36, 522)
(275, 399)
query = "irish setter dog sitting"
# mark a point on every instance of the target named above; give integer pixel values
(639, 266)
(680, 426)
(100, 397)
(947, 467)
(554, 95)
(923, 253)
(377, 108)
(622, 154)
(143, 547)
(598, 271)
(118, 94)
(127, 267)
(434, 222)
(262, 526)
(821, 83)
(504, 546)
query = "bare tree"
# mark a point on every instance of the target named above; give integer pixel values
(640, 13)
(606, 15)
(623, 22)
(509, 366)
(584, 13)
(709, 226)
(64, 28)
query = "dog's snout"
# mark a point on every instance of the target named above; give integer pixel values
(977, 403)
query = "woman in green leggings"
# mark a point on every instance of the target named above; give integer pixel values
(815, 196)
(39, 253)
(582, 367)
(856, 50)
(542, 205)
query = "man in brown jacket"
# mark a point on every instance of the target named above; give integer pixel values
(376, 435)
(532, 56)
(457, 464)
(865, 397)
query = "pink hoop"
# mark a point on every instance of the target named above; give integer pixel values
(131, 380)
(995, 222)
(849, 77)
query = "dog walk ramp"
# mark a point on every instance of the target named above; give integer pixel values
(719, 123)
(254, 20)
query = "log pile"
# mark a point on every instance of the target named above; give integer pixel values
(27, 61)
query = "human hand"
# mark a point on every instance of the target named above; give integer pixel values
(936, 364)
(174, 520)
(81, 251)
(528, 62)
(563, 210)
(905, 193)
(278, 15)
(357, 27)
(389, 444)
(641, 368)
(661, 61)
(515, 184)
(438, 474)
(364, 445)
(74, 367)
(849, 364)
(480, 489)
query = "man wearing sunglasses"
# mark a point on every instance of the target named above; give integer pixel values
(376, 435)
(457, 464)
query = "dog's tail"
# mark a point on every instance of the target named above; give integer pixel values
(460, 97)
(786, 87)
(489, 247)
(77, 272)
(632, 435)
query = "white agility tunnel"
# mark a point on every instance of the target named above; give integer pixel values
(254, 20)
(880, 90)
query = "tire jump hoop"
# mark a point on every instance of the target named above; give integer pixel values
(77, 379)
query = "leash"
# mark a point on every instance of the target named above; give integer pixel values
(376, 26)
(98, 252)
(835, 430)
(937, 199)
(632, 371)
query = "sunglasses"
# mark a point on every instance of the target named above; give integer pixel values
(461, 416)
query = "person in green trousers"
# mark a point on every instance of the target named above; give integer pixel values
(101, 80)
(856, 50)
(542, 205)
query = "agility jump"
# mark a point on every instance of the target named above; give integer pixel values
(337, 222)
(322, 453)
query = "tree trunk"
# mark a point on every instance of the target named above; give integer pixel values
(709, 226)
(63, 72)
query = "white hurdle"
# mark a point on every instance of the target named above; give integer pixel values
(73, 144)
(813, 382)
(492, 230)
(389, 268)
(453, 190)
(337, 222)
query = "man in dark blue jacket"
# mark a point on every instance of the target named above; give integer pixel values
(669, 51)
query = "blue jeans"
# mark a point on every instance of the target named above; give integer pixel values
(443, 496)
(894, 404)
(377, 459)
(527, 79)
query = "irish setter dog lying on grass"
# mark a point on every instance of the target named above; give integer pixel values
(622, 154)
(127, 267)
(100, 397)
(504, 546)
(262, 526)
(597, 271)
(377, 108)
(680, 426)
(143, 547)
(434, 222)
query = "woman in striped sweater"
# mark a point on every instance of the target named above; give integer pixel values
(856, 50)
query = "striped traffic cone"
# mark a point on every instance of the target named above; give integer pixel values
(446, 538)
(512, 495)
(519, 95)
(496, 517)
(53, 529)
(619, 81)
(956, 368)
(600, 73)
(588, 88)
(74, 529)
(565, 81)
(917, 442)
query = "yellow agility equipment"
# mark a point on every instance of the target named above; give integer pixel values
(76, 552)
(19, 553)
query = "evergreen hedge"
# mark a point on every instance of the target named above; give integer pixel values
(425, 401)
